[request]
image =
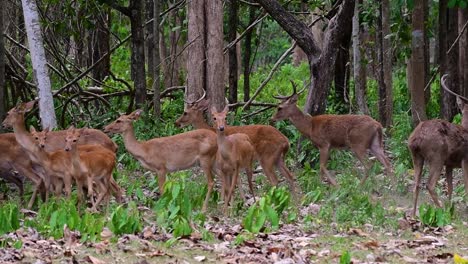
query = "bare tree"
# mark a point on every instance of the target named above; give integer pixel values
(248, 54)
(358, 61)
(463, 59)
(39, 64)
(387, 63)
(418, 106)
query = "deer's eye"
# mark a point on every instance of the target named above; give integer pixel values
(185, 113)
(214, 118)
(74, 140)
(118, 121)
(37, 138)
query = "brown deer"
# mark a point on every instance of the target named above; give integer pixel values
(32, 169)
(359, 133)
(168, 154)
(92, 163)
(439, 143)
(235, 152)
(270, 145)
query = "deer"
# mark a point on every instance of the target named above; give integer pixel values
(271, 146)
(92, 163)
(169, 154)
(360, 133)
(439, 143)
(30, 167)
(235, 152)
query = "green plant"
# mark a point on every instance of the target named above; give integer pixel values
(268, 208)
(345, 258)
(9, 218)
(435, 216)
(125, 220)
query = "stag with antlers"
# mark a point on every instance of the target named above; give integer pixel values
(360, 133)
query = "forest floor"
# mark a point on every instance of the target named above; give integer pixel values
(308, 239)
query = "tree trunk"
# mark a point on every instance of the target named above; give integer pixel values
(2, 63)
(358, 63)
(138, 51)
(196, 64)
(322, 69)
(156, 60)
(341, 70)
(387, 63)
(232, 34)
(452, 65)
(214, 53)
(100, 42)
(427, 54)
(463, 61)
(418, 108)
(39, 64)
(150, 42)
(247, 55)
(448, 104)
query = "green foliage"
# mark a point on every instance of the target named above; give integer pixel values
(174, 208)
(269, 208)
(9, 218)
(54, 215)
(345, 258)
(125, 220)
(435, 216)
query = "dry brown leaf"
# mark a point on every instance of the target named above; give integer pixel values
(94, 260)
(106, 234)
(357, 231)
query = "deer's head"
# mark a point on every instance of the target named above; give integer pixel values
(193, 111)
(123, 123)
(16, 114)
(71, 137)
(219, 118)
(40, 137)
(287, 106)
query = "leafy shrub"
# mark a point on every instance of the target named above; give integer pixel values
(268, 208)
(9, 218)
(435, 216)
(125, 220)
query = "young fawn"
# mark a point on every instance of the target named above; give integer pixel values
(235, 152)
(168, 154)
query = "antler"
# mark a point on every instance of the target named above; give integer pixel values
(199, 99)
(442, 82)
(282, 97)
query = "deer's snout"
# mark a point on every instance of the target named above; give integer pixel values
(221, 128)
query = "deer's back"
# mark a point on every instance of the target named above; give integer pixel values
(89, 136)
(264, 138)
(97, 158)
(439, 140)
(341, 130)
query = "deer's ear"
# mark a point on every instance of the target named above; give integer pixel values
(46, 130)
(136, 114)
(213, 110)
(32, 129)
(28, 106)
(203, 105)
(226, 109)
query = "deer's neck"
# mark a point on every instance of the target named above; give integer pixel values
(200, 123)
(224, 145)
(132, 144)
(302, 121)
(75, 158)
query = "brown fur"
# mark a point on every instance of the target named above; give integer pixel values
(359, 133)
(439, 143)
(271, 146)
(168, 154)
(235, 152)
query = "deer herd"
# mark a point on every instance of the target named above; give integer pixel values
(54, 160)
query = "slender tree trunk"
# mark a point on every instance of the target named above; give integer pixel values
(448, 105)
(247, 55)
(387, 62)
(156, 60)
(341, 70)
(150, 43)
(39, 63)
(2, 63)
(138, 51)
(358, 62)
(233, 21)
(214, 53)
(418, 108)
(463, 61)
(100, 42)
(196, 64)
(452, 64)
(427, 55)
